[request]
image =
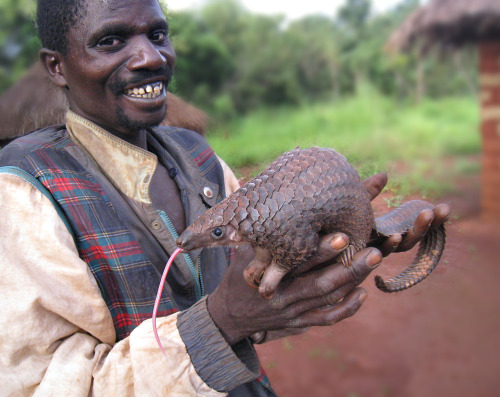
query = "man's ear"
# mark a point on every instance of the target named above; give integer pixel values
(52, 62)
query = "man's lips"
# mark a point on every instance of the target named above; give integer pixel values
(143, 82)
(146, 91)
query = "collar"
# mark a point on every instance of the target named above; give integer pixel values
(128, 167)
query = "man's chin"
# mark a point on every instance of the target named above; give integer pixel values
(139, 123)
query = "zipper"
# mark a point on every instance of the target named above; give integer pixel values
(199, 287)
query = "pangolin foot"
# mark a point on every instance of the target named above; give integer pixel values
(270, 280)
(346, 256)
(255, 269)
(253, 273)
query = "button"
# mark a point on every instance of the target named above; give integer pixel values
(172, 172)
(156, 225)
(207, 191)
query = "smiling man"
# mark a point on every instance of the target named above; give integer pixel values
(116, 65)
(90, 213)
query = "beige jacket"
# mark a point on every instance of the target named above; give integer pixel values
(56, 333)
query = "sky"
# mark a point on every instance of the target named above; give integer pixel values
(292, 9)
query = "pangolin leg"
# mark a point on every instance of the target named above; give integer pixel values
(271, 278)
(428, 256)
(256, 268)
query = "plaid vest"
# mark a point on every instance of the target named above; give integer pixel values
(128, 281)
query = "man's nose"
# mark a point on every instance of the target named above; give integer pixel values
(146, 56)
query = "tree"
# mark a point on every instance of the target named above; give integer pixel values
(203, 61)
(19, 43)
(315, 51)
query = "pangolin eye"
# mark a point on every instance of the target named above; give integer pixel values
(217, 233)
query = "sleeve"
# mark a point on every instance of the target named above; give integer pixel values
(230, 180)
(56, 332)
(223, 367)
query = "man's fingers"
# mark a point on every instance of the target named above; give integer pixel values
(375, 184)
(423, 222)
(332, 298)
(426, 219)
(420, 228)
(391, 244)
(330, 246)
(441, 214)
(325, 281)
(330, 315)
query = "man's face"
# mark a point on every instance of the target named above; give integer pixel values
(119, 63)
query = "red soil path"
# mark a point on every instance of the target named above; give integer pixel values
(440, 338)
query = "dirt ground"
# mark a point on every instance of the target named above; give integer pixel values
(440, 338)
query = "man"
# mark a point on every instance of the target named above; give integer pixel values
(90, 212)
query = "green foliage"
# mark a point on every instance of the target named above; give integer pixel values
(231, 61)
(375, 132)
(315, 60)
(315, 81)
(19, 43)
(255, 60)
(203, 61)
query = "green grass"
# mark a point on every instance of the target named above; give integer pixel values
(375, 133)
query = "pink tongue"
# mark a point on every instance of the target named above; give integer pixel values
(158, 296)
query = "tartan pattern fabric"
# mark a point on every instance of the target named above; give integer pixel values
(263, 379)
(127, 279)
(203, 155)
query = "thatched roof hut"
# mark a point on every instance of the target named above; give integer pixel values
(448, 23)
(34, 102)
(455, 23)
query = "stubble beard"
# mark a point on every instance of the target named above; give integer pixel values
(118, 86)
(133, 126)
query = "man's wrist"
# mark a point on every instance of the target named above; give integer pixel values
(222, 321)
(221, 366)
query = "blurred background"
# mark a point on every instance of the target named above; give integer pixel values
(408, 87)
(304, 77)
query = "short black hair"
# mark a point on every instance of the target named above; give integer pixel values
(55, 18)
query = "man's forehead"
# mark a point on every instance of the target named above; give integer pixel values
(112, 6)
(101, 12)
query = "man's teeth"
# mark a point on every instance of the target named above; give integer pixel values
(148, 91)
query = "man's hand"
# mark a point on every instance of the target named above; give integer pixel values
(425, 220)
(324, 295)
(320, 292)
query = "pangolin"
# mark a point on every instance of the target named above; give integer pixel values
(303, 194)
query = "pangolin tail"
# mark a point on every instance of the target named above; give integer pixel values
(429, 253)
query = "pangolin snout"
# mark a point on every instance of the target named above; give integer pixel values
(183, 241)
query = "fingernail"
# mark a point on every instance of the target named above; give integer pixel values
(339, 242)
(396, 242)
(374, 258)
(363, 296)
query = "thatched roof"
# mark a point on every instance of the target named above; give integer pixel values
(448, 23)
(35, 102)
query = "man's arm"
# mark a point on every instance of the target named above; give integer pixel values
(57, 333)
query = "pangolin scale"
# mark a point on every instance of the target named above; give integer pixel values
(303, 194)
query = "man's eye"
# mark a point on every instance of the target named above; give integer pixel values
(109, 42)
(159, 36)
